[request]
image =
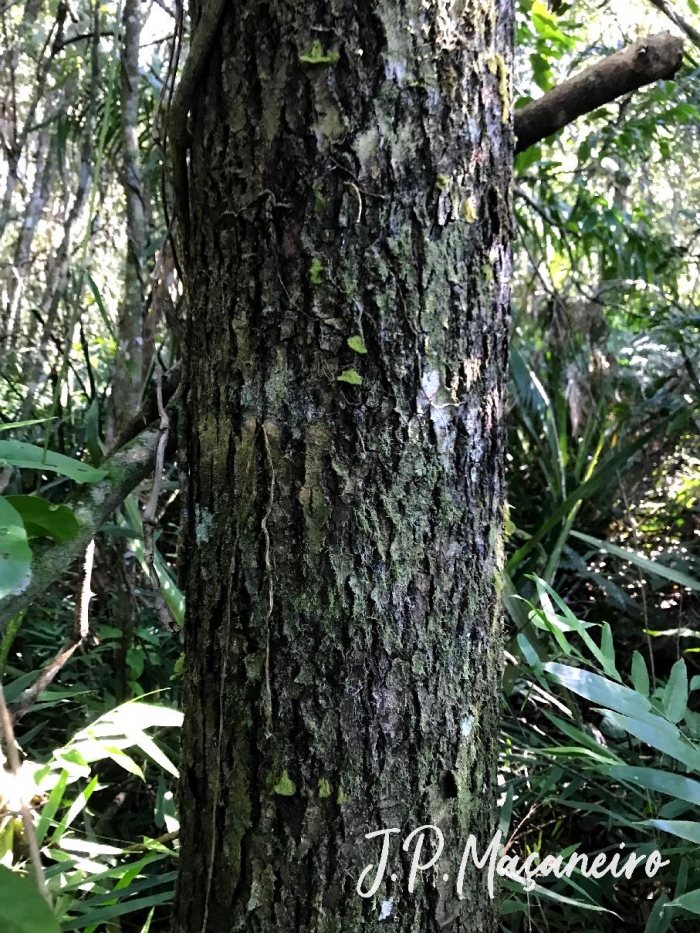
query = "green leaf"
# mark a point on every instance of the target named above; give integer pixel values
(126, 762)
(30, 457)
(528, 651)
(545, 591)
(75, 808)
(357, 344)
(285, 786)
(604, 471)
(22, 907)
(143, 716)
(127, 906)
(172, 595)
(640, 675)
(146, 744)
(607, 647)
(49, 809)
(23, 424)
(651, 566)
(661, 735)
(665, 782)
(136, 660)
(658, 921)
(683, 829)
(676, 692)
(43, 518)
(689, 901)
(317, 56)
(349, 375)
(601, 691)
(15, 554)
(101, 307)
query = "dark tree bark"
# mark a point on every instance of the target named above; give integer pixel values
(347, 279)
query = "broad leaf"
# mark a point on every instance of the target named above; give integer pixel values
(661, 735)
(689, 901)
(22, 907)
(683, 829)
(676, 692)
(42, 517)
(15, 554)
(675, 785)
(601, 691)
(30, 457)
(640, 675)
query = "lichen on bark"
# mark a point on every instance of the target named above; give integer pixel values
(343, 628)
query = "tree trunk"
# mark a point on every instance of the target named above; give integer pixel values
(347, 278)
(128, 374)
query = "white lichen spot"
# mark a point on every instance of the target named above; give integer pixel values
(441, 417)
(98, 494)
(440, 412)
(467, 725)
(395, 71)
(386, 909)
(203, 524)
(366, 148)
(430, 384)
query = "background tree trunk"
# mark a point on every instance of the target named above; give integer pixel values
(128, 372)
(347, 276)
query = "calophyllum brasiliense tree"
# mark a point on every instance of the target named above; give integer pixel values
(342, 174)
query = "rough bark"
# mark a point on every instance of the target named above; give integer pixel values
(645, 61)
(349, 219)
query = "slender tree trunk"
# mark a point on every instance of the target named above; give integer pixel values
(17, 275)
(347, 278)
(126, 391)
(57, 284)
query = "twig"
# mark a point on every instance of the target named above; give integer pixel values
(142, 847)
(81, 629)
(268, 573)
(8, 734)
(149, 513)
(676, 18)
(149, 409)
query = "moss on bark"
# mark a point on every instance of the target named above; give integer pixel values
(343, 629)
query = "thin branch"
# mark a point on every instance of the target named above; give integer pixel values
(81, 629)
(676, 18)
(149, 409)
(149, 513)
(103, 34)
(647, 60)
